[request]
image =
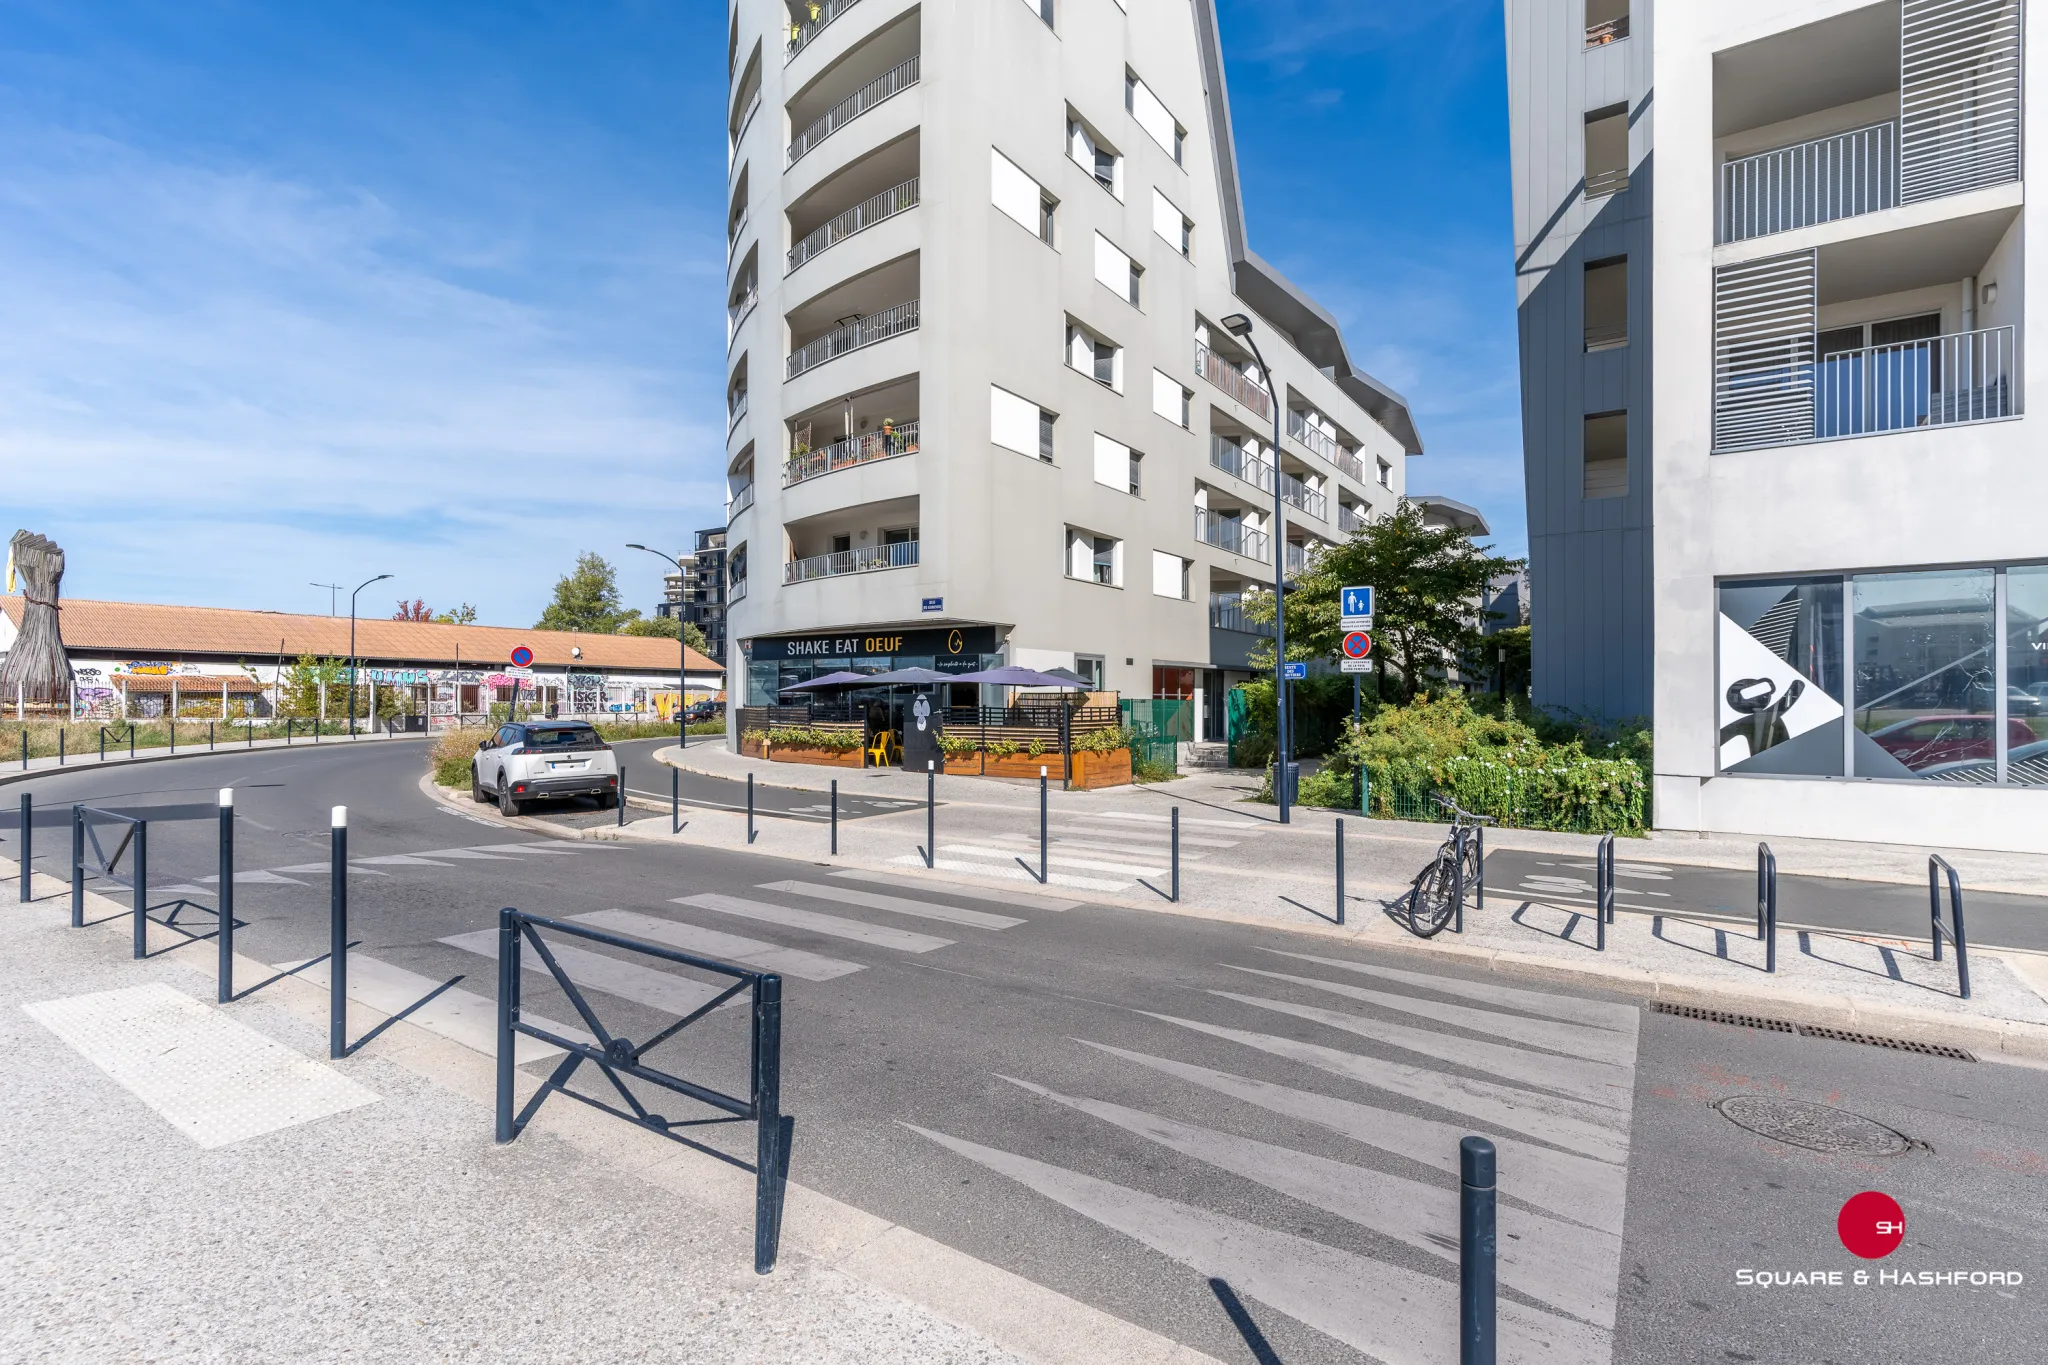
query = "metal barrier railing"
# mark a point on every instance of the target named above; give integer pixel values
(83, 832)
(1942, 931)
(1603, 892)
(619, 1057)
(1767, 904)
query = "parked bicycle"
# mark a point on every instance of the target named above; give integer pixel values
(1440, 889)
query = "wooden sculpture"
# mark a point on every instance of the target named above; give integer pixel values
(36, 663)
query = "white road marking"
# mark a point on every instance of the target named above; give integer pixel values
(1564, 1265)
(1010, 872)
(902, 940)
(1246, 826)
(1086, 864)
(1387, 1312)
(716, 943)
(1597, 1013)
(973, 893)
(596, 972)
(397, 860)
(948, 914)
(213, 1078)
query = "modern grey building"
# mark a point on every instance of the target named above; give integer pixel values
(982, 404)
(696, 596)
(1782, 490)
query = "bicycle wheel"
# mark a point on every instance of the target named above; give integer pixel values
(1434, 897)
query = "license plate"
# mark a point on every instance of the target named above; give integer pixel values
(568, 767)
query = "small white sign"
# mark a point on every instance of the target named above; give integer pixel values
(1350, 623)
(1355, 665)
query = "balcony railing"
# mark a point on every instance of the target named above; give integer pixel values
(1299, 494)
(1234, 459)
(1226, 612)
(742, 499)
(1936, 382)
(740, 130)
(1297, 557)
(736, 313)
(1814, 182)
(1232, 380)
(1613, 31)
(1349, 463)
(733, 231)
(801, 35)
(854, 335)
(737, 592)
(859, 218)
(1600, 183)
(735, 408)
(1349, 521)
(1319, 442)
(867, 559)
(891, 82)
(1228, 533)
(875, 445)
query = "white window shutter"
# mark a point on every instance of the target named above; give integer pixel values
(1014, 192)
(1112, 463)
(1012, 421)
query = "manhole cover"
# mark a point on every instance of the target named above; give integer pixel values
(1815, 1127)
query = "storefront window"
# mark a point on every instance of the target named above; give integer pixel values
(2026, 674)
(1925, 676)
(1779, 691)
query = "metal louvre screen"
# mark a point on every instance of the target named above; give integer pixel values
(1959, 96)
(1763, 352)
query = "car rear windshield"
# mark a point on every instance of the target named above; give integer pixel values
(568, 737)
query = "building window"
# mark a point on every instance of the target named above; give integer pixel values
(1606, 462)
(1386, 475)
(1100, 359)
(1045, 11)
(1607, 151)
(1606, 22)
(1019, 424)
(1170, 225)
(1115, 270)
(1021, 198)
(1095, 156)
(1144, 107)
(1095, 558)
(1048, 208)
(1116, 464)
(1170, 400)
(1606, 303)
(1089, 666)
(1169, 575)
(1136, 463)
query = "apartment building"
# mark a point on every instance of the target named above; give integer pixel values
(1778, 464)
(983, 406)
(696, 595)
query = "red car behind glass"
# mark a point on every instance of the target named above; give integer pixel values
(1924, 741)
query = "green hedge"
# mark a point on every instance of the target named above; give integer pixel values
(809, 737)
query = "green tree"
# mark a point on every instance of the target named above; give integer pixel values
(464, 615)
(1427, 585)
(665, 627)
(299, 695)
(587, 598)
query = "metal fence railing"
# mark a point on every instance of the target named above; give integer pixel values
(1233, 380)
(1320, 442)
(887, 444)
(1226, 612)
(802, 35)
(891, 82)
(1818, 181)
(1300, 495)
(861, 332)
(1937, 381)
(859, 218)
(1229, 533)
(1159, 726)
(1234, 460)
(866, 559)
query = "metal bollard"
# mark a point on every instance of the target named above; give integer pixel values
(138, 868)
(337, 934)
(1767, 904)
(1042, 780)
(1340, 872)
(675, 800)
(1476, 1283)
(77, 867)
(621, 807)
(1479, 866)
(252, 734)
(931, 805)
(225, 931)
(103, 744)
(27, 844)
(62, 731)
(24, 749)
(173, 728)
(769, 1157)
(1176, 856)
(835, 817)
(288, 732)
(1603, 891)
(131, 741)
(750, 808)
(508, 1014)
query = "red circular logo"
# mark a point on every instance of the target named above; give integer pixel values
(1871, 1224)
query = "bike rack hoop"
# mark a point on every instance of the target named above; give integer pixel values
(1952, 931)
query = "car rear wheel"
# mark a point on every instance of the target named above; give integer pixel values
(506, 805)
(607, 800)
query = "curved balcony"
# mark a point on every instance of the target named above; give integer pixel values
(890, 83)
(867, 559)
(802, 35)
(853, 336)
(859, 218)
(860, 450)
(742, 499)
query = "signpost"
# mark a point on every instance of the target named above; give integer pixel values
(1294, 672)
(522, 658)
(1356, 609)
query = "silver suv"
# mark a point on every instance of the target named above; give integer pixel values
(544, 760)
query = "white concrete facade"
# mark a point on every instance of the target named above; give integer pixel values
(1845, 568)
(1021, 226)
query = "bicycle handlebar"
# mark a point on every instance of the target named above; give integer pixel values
(1461, 812)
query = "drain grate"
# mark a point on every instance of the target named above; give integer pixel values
(1839, 1035)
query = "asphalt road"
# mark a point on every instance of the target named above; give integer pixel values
(1173, 1120)
(650, 780)
(1991, 919)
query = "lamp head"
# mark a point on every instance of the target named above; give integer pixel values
(1237, 324)
(632, 546)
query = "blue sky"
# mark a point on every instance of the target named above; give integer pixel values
(311, 292)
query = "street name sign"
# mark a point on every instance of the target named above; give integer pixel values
(1294, 672)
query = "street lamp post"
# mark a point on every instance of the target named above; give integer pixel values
(682, 660)
(1239, 325)
(352, 651)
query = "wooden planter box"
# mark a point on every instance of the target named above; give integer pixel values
(827, 758)
(965, 765)
(1024, 765)
(1112, 769)
(751, 743)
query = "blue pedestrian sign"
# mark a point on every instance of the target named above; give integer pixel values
(1294, 672)
(1357, 602)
